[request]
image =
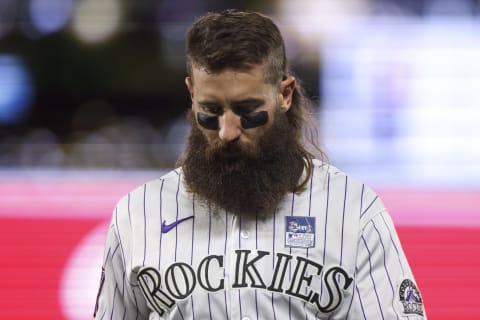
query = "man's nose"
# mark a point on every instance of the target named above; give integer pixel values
(230, 128)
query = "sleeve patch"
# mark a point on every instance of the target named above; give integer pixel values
(410, 298)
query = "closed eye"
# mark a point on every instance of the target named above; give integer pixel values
(247, 107)
(212, 108)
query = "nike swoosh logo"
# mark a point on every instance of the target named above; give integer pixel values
(167, 227)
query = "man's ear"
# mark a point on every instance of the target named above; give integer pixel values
(189, 83)
(287, 87)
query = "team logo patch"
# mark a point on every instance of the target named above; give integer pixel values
(300, 232)
(410, 298)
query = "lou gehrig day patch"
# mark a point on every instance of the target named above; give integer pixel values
(410, 298)
(300, 232)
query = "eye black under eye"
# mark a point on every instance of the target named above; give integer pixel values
(209, 122)
(254, 120)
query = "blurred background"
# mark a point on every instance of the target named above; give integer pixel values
(93, 103)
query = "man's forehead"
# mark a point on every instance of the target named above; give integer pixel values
(255, 69)
(239, 101)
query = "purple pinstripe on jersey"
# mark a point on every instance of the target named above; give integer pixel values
(226, 236)
(129, 219)
(325, 231)
(240, 246)
(123, 294)
(371, 276)
(193, 232)
(131, 257)
(193, 309)
(361, 200)
(353, 294)
(361, 304)
(144, 227)
(240, 304)
(256, 303)
(208, 252)
(115, 252)
(326, 221)
(209, 230)
(160, 195)
(176, 229)
(192, 250)
(225, 254)
(119, 238)
(256, 247)
(371, 203)
(113, 304)
(385, 264)
(343, 219)
(309, 214)
(108, 255)
(343, 223)
(273, 256)
(310, 192)
(180, 312)
(136, 304)
(179, 177)
(350, 304)
(394, 245)
(144, 223)
(129, 214)
(121, 246)
(290, 266)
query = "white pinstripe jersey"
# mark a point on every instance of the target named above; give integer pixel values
(329, 252)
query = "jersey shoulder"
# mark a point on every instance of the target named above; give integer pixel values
(168, 178)
(370, 202)
(133, 202)
(329, 174)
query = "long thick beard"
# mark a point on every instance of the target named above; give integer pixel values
(249, 182)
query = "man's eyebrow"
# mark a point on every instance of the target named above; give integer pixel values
(247, 105)
(248, 101)
(234, 102)
(208, 103)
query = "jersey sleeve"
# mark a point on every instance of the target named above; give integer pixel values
(115, 298)
(385, 287)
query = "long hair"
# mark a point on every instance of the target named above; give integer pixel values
(236, 40)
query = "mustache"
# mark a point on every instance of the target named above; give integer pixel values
(231, 149)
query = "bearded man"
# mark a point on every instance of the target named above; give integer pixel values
(251, 225)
